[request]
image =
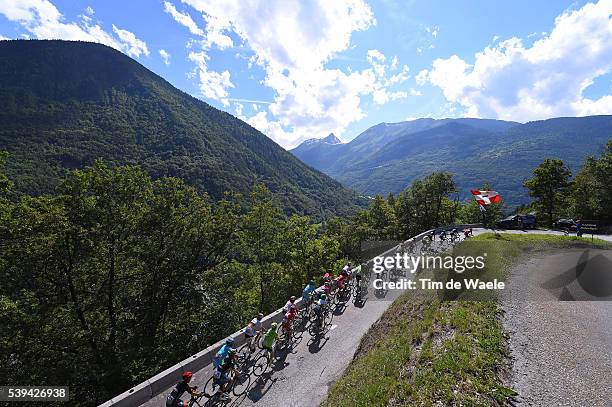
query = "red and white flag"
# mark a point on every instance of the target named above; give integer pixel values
(486, 197)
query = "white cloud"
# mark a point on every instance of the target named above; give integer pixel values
(422, 77)
(132, 45)
(511, 81)
(433, 31)
(165, 56)
(89, 11)
(183, 18)
(213, 85)
(3, 38)
(238, 108)
(44, 21)
(293, 42)
(394, 62)
(415, 92)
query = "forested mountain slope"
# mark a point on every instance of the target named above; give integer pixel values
(65, 104)
(388, 157)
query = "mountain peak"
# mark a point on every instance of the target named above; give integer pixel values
(331, 139)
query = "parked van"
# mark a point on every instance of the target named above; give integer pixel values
(518, 222)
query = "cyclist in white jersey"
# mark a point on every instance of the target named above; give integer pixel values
(253, 330)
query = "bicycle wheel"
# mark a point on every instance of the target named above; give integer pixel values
(261, 365)
(348, 293)
(314, 327)
(241, 384)
(284, 339)
(244, 354)
(329, 316)
(210, 387)
(195, 401)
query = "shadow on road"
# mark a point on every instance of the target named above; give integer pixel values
(261, 387)
(316, 343)
(340, 308)
(380, 293)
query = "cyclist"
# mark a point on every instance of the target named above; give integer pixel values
(329, 274)
(455, 233)
(270, 338)
(289, 304)
(346, 270)
(308, 292)
(223, 373)
(223, 352)
(320, 304)
(467, 232)
(174, 398)
(289, 318)
(358, 276)
(443, 235)
(253, 330)
(340, 281)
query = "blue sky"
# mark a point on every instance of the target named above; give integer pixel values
(302, 69)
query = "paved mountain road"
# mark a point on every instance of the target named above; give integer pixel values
(301, 378)
(561, 350)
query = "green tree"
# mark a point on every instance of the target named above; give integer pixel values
(5, 182)
(550, 179)
(381, 219)
(591, 194)
(260, 242)
(425, 204)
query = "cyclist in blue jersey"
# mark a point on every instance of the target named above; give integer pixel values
(223, 353)
(308, 290)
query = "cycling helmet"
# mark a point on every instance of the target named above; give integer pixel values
(232, 351)
(274, 325)
(187, 375)
(260, 315)
(323, 296)
(229, 341)
(327, 284)
(292, 298)
(311, 282)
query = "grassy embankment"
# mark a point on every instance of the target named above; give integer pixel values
(425, 351)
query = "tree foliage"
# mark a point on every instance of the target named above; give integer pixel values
(119, 276)
(550, 180)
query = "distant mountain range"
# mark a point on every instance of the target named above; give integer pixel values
(389, 156)
(65, 104)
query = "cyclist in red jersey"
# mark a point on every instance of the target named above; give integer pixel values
(289, 318)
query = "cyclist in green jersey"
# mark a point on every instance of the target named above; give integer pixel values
(269, 339)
